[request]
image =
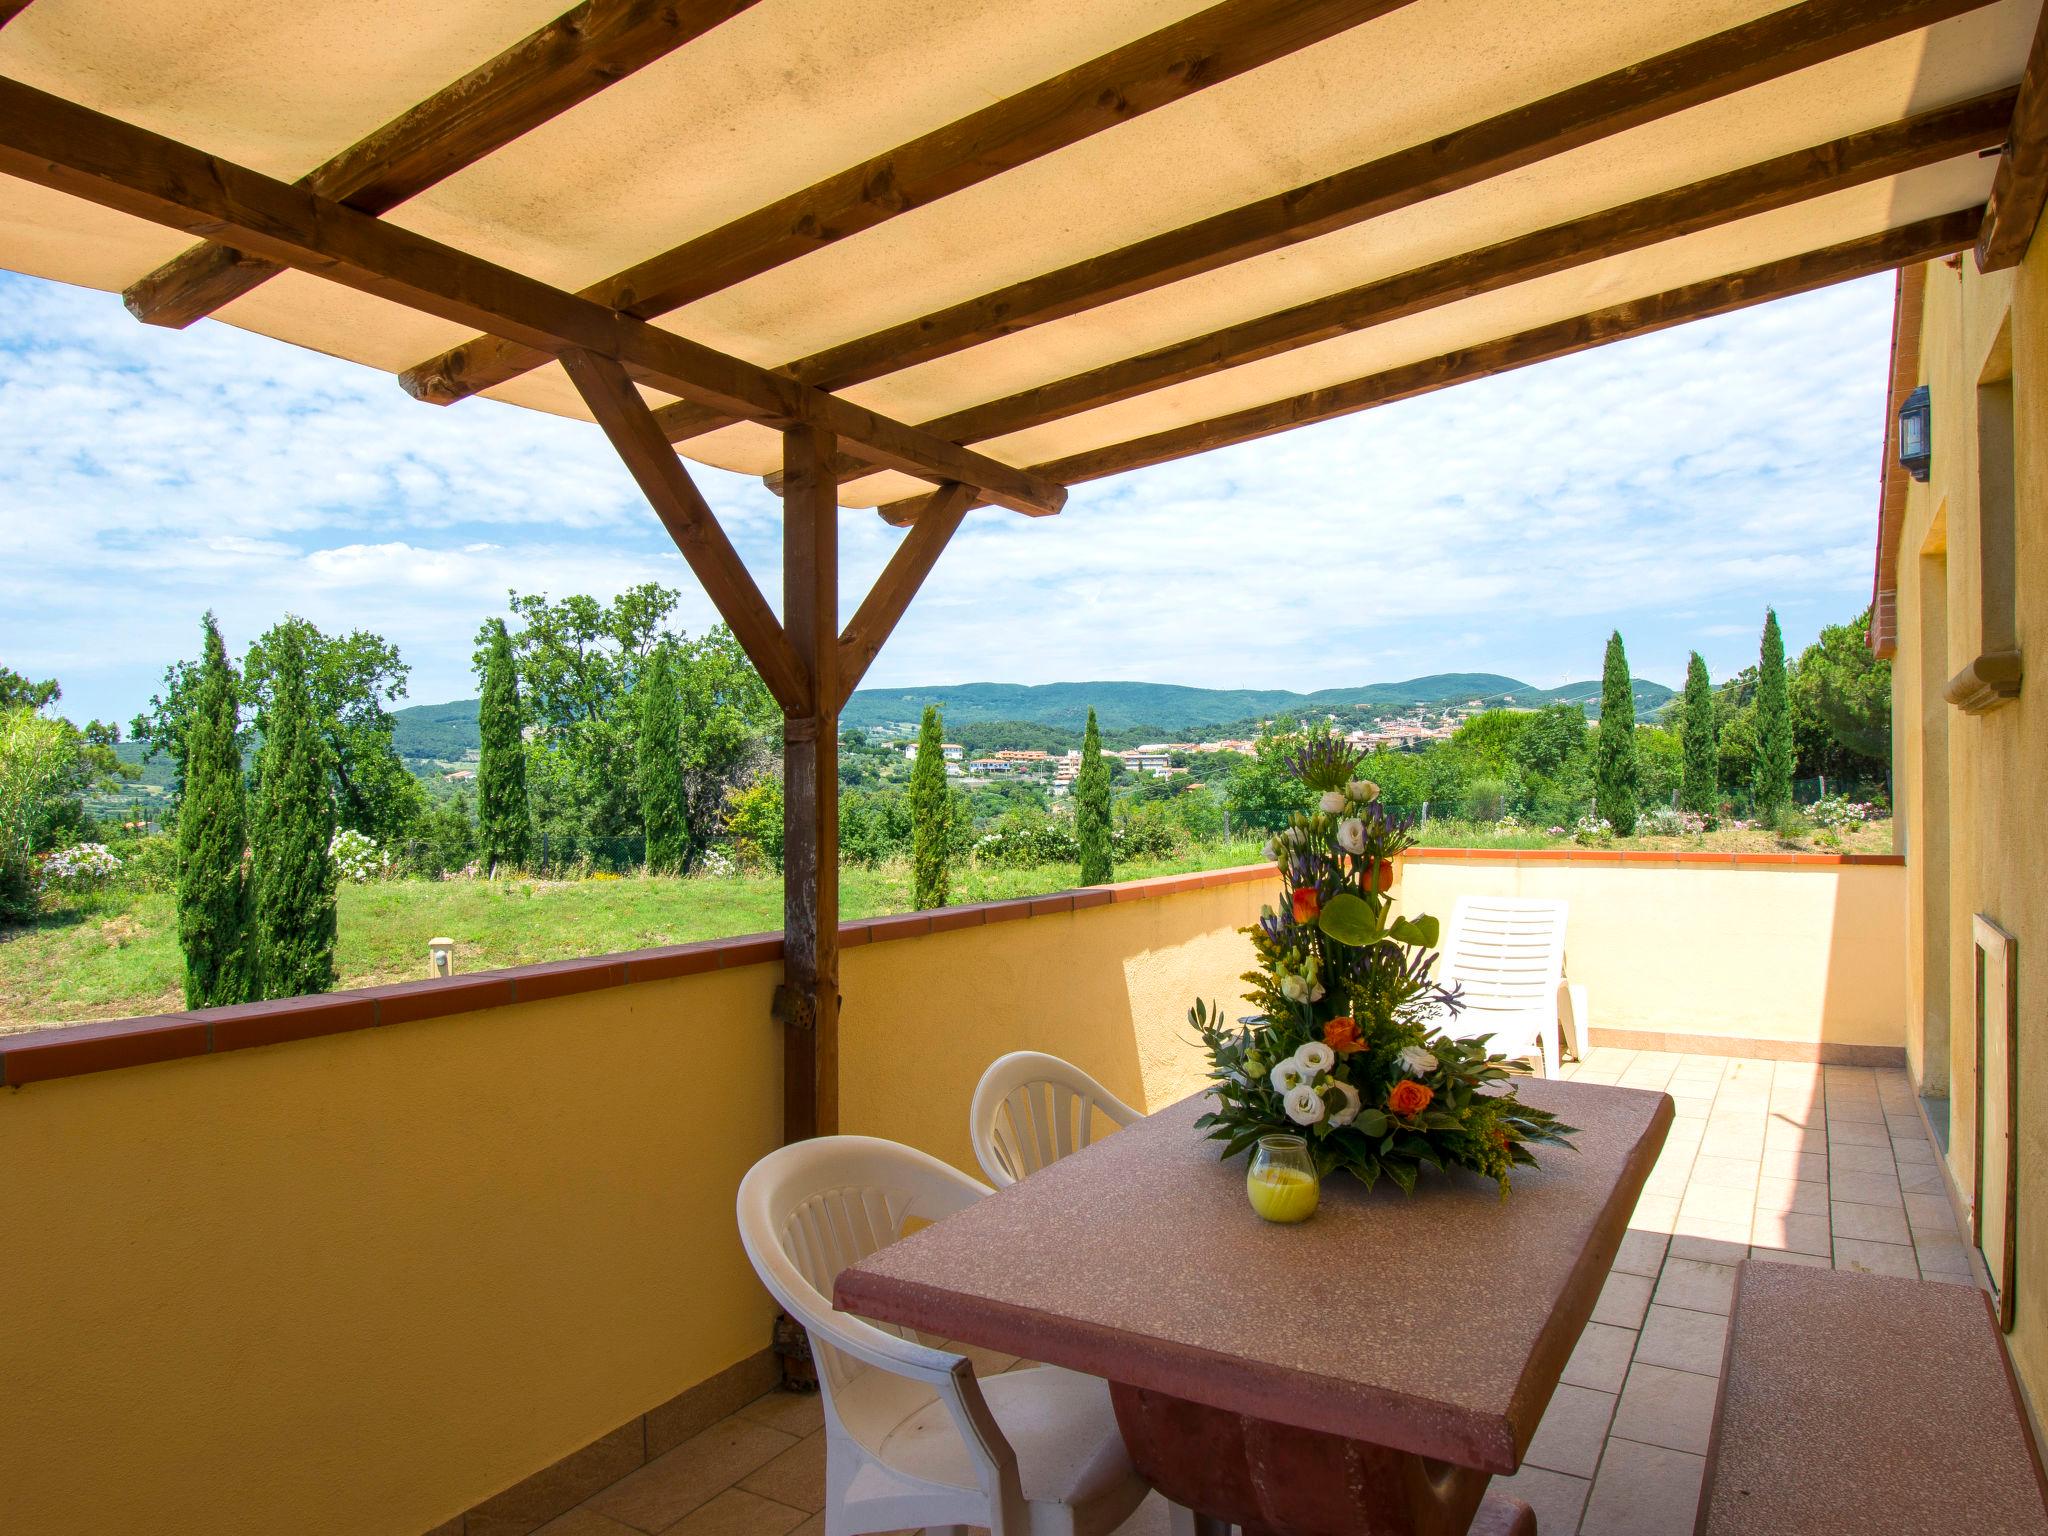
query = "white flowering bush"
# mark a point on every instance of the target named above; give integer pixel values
(1591, 829)
(1663, 821)
(1836, 812)
(81, 867)
(356, 855)
(717, 864)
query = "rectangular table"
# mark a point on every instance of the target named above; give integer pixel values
(1367, 1371)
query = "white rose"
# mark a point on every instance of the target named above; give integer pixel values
(1315, 1057)
(1305, 1106)
(1315, 993)
(1364, 791)
(1333, 802)
(1351, 835)
(1286, 1077)
(1294, 989)
(1272, 848)
(1348, 1111)
(1416, 1061)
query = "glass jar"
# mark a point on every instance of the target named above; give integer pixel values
(1282, 1183)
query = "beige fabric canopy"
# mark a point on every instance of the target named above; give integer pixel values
(1595, 154)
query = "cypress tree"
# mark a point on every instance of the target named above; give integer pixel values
(213, 895)
(928, 814)
(294, 826)
(1772, 784)
(503, 820)
(1091, 809)
(1615, 772)
(660, 765)
(1702, 746)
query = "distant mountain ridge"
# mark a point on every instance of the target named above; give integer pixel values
(446, 731)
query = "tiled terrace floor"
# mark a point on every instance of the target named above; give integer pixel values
(1799, 1164)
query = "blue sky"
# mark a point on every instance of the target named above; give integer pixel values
(1669, 486)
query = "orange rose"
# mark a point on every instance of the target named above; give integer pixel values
(1343, 1037)
(1307, 905)
(1379, 876)
(1409, 1098)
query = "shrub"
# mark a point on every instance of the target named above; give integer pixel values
(1150, 831)
(1837, 811)
(1486, 799)
(81, 867)
(357, 857)
(1592, 830)
(1024, 838)
(1789, 823)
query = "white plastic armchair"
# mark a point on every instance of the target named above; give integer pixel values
(1506, 953)
(1031, 1109)
(913, 1437)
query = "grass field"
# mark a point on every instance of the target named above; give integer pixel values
(116, 954)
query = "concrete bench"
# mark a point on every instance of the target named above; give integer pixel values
(1866, 1404)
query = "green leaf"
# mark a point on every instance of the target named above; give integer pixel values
(1402, 1174)
(1348, 918)
(1371, 1122)
(1417, 932)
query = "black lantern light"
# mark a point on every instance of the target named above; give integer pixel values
(1916, 433)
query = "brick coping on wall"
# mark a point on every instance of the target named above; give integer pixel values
(72, 1050)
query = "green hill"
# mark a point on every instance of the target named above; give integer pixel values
(444, 732)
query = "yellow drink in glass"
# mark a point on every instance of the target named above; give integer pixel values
(1282, 1183)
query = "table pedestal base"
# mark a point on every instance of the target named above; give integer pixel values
(1274, 1480)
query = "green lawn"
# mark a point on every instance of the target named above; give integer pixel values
(116, 954)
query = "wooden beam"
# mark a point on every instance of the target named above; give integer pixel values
(1773, 46)
(570, 59)
(889, 599)
(2021, 186)
(59, 144)
(808, 1003)
(1927, 139)
(1175, 62)
(1923, 241)
(691, 523)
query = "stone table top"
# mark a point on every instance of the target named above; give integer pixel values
(1437, 1324)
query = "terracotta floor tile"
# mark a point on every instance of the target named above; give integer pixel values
(1654, 1213)
(1855, 1157)
(1715, 1242)
(1683, 1340)
(1739, 1138)
(1573, 1428)
(1642, 1252)
(1876, 1258)
(1854, 1133)
(1786, 1256)
(1942, 1255)
(1722, 1206)
(1674, 1409)
(1692, 1283)
(1622, 1303)
(1807, 1197)
(1601, 1358)
(1871, 1223)
(559, 1488)
(1865, 1189)
(795, 1478)
(1725, 1172)
(1798, 1232)
(1914, 1149)
(1932, 1214)
(1643, 1490)
(695, 1472)
(736, 1512)
(1785, 1163)
(1558, 1499)
(1687, 1106)
(584, 1522)
(794, 1413)
(1855, 1107)
(1922, 1179)
(1779, 1137)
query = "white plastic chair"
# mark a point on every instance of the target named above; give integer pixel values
(1031, 1109)
(913, 1438)
(1507, 955)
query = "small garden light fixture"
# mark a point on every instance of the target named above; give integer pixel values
(1916, 433)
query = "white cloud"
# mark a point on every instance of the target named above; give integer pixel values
(1670, 486)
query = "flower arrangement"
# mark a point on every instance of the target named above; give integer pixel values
(1345, 1048)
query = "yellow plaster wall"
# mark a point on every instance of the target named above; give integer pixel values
(1794, 954)
(357, 1284)
(1990, 835)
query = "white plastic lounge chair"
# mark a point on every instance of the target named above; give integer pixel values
(1506, 953)
(913, 1438)
(1031, 1109)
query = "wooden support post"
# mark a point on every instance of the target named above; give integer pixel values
(808, 1003)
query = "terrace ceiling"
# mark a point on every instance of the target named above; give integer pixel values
(1074, 236)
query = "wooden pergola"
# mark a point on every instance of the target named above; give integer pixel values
(932, 258)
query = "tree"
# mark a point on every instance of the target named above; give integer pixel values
(34, 760)
(1771, 782)
(1841, 700)
(293, 870)
(1091, 809)
(503, 819)
(1262, 791)
(1616, 774)
(349, 681)
(661, 766)
(727, 720)
(213, 893)
(930, 829)
(18, 692)
(1699, 781)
